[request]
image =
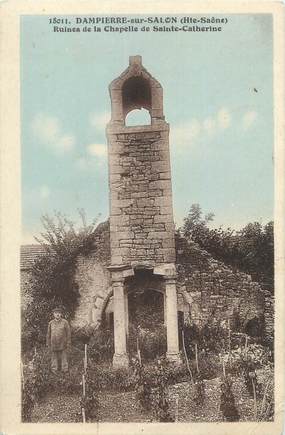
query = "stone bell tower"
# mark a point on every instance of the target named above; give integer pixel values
(141, 214)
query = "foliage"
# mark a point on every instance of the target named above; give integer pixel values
(176, 373)
(159, 398)
(227, 405)
(209, 365)
(256, 354)
(110, 378)
(152, 343)
(53, 273)
(250, 250)
(141, 383)
(100, 342)
(209, 338)
(151, 384)
(245, 361)
(38, 380)
(90, 401)
(266, 382)
(101, 347)
(199, 390)
(34, 384)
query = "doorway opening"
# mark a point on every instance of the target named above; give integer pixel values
(146, 301)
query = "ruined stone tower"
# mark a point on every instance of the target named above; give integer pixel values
(141, 214)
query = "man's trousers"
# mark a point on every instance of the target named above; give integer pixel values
(59, 360)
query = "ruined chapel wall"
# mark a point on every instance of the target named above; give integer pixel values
(93, 278)
(216, 290)
(25, 288)
(206, 287)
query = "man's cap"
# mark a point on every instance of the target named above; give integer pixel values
(57, 310)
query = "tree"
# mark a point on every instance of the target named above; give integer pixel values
(53, 274)
(195, 226)
(256, 244)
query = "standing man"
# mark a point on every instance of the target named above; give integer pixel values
(58, 341)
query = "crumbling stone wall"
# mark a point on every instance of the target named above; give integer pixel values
(25, 288)
(93, 279)
(269, 315)
(214, 290)
(206, 287)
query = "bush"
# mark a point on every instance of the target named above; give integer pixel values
(151, 343)
(209, 366)
(254, 357)
(209, 338)
(173, 373)
(100, 342)
(53, 274)
(39, 380)
(35, 383)
(90, 401)
(199, 391)
(111, 379)
(28, 337)
(159, 395)
(228, 406)
(101, 345)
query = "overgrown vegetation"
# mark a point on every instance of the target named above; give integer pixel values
(211, 351)
(151, 386)
(89, 401)
(228, 405)
(152, 342)
(52, 276)
(250, 249)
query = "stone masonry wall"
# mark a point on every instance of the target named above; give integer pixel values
(142, 228)
(206, 287)
(269, 315)
(93, 278)
(215, 290)
(25, 286)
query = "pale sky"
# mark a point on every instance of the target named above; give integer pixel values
(217, 100)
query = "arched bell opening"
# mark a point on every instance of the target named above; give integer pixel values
(136, 94)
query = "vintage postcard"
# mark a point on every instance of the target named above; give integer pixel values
(142, 217)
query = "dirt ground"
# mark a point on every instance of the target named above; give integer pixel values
(124, 407)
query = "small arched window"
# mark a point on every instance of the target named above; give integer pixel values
(138, 117)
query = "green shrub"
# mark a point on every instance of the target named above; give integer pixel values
(176, 373)
(53, 274)
(159, 395)
(152, 343)
(199, 391)
(90, 401)
(111, 379)
(35, 383)
(209, 365)
(227, 405)
(209, 338)
(101, 345)
(39, 380)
